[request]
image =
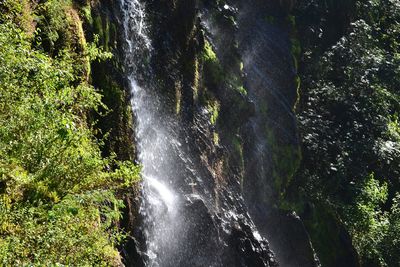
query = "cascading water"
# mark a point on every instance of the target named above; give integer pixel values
(160, 202)
(167, 169)
(191, 214)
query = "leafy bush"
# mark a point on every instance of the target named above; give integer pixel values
(367, 223)
(349, 119)
(58, 201)
(375, 232)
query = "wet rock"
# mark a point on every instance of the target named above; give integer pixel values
(234, 244)
(328, 230)
(249, 250)
(271, 146)
(132, 255)
(288, 235)
(214, 228)
(202, 236)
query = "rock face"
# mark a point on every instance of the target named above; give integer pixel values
(108, 78)
(272, 147)
(224, 72)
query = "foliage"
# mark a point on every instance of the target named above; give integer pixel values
(365, 220)
(54, 24)
(349, 120)
(375, 231)
(19, 12)
(58, 201)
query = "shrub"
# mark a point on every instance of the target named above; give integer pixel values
(58, 201)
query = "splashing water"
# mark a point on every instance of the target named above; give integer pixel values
(154, 142)
(188, 220)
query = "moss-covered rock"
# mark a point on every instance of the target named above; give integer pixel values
(116, 121)
(330, 238)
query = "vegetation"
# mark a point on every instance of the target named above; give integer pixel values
(212, 66)
(349, 121)
(58, 196)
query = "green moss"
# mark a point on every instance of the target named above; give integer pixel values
(113, 35)
(328, 235)
(117, 118)
(241, 67)
(296, 54)
(286, 160)
(214, 74)
(178, 97)
(209, 54)
(298, 82)
(291, 20)
(242, 90)
(235, 82)
(196, 79)
(216, 138)
(98, 27)
(106, 32)
(214, 108)
(86, 13)
(270, 19)
(106, 40)
(296, 50)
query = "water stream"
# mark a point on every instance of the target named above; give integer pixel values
(188, 217)
(154, 141)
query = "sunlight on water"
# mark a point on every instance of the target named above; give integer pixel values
(163, 191)
(155, 142)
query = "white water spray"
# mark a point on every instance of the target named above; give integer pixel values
(154, 140)
(189, 217)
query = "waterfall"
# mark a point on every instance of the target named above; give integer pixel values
(154, 140)
(191, 214)
(168, 171)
